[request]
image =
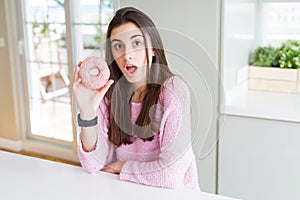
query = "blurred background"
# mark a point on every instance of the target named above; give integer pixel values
(245, 138)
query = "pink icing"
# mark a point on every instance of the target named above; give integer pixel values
(91, 80)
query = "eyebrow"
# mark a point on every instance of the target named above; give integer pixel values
(133, 36)
(137, 35)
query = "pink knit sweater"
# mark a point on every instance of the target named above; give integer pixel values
(168, 160)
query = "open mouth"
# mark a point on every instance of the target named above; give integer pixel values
(130, 69)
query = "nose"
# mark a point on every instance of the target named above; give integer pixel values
(128, 54)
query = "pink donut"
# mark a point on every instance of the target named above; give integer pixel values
(94, 72)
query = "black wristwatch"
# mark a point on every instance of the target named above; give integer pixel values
(87, 123)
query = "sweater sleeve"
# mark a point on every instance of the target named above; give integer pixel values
(104, 152)
(175, 155)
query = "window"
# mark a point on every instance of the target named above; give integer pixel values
(281, 22)
(56, 35)
(90, 23)
(47, 69)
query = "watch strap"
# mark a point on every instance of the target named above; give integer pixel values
(87, 123)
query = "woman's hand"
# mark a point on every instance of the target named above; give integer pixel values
(114, 168)
(87, 99)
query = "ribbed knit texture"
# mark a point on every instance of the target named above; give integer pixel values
(168, 160)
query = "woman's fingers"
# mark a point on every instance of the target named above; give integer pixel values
(76, 78)
(76, 83)
(106, 86)
(75, 74)
(100, 93)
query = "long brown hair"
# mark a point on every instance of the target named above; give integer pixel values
(120, 93)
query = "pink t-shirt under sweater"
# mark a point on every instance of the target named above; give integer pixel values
(168, 160)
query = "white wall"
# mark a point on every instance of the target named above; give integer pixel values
(190, 32)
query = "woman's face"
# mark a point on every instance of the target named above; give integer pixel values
(129, 51)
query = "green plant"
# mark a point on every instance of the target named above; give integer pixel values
(265, 57)
(289, 54)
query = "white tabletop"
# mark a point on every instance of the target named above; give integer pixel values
(24, 177)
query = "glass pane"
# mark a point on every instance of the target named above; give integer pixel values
(47, 70)
(107, 11)
(47, 42)
(90, 26)
(87, 11)
(45, 11)
(30, 43)
(56, 11)
(50, 110)
(36, 10)
(52, 118)
(282, 22)
(89, 40)
(47, 80)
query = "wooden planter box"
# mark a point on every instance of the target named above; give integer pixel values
(274, 79)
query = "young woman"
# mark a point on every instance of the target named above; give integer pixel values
(138, 124)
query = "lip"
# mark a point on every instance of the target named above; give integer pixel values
(130, 69)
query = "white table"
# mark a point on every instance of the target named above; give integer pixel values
(24, 177)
